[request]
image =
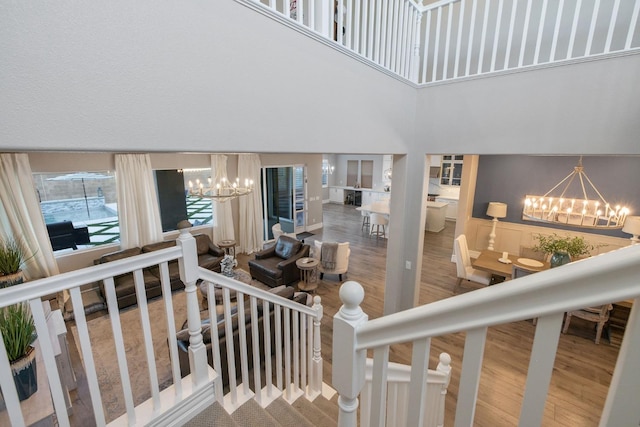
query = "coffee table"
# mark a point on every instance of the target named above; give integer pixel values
(308, 273)
(238, 274)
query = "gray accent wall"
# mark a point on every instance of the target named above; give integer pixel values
(509, 178)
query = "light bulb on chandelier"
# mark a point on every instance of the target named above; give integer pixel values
(220, 191)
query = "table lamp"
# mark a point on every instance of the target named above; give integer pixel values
(632, 226)
(495, 210)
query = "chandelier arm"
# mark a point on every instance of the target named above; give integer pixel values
(559, 184)
(573, 176)
(584, 191)
(595, 189)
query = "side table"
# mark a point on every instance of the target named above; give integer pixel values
(308, 274)
(229, 247)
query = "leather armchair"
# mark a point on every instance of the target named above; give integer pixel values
(276, 265)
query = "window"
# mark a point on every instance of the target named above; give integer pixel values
(199, 210)
(79, 208)
(326, 170)
(451, 170)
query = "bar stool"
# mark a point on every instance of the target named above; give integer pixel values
(365, 219)
(376, 221)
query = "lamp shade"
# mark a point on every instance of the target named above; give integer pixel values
(497, 209)
(632, 225)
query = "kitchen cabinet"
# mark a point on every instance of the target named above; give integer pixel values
(436, 212)
(336, 195)
(452, 207)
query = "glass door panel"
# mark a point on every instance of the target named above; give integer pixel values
(300, 181)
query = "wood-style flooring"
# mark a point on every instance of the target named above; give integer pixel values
(582, 371)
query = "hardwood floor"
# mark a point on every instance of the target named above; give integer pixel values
(582, 370)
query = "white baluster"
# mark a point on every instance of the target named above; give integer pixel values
(349, 364)
(444, 366)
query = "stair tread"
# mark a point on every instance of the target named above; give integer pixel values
(253, 415)
(320, 412)
(213, 415)
(287, 415)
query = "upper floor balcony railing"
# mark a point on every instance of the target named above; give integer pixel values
(453, 39)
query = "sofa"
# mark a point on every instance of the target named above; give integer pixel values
(183, 335)
(276, 265)
(209, 257)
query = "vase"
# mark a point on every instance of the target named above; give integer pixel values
(11, 279)
(25, 376)
(559, 258)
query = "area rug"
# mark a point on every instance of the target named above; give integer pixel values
(104, 353)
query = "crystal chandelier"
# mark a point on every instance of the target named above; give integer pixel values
(220, 191)
(327, 169)
(575, 211)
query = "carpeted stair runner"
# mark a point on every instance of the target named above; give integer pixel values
(320, 412)
(214, 415)
(252, 415)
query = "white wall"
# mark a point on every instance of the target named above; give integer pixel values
(585, 108)
(199, 76)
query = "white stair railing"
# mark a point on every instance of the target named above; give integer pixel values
(598, 280)
(186, 396)
(453, 39)
(289, 344)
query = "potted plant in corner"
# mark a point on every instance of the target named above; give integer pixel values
(18, 333)
(16, 322)
(562, 248)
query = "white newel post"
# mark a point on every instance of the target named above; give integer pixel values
(316, 374)
(189, 275)
(348, 364)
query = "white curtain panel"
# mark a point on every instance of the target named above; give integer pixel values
(138, 210)
(250, 228)
(223, 217)
(21, 217)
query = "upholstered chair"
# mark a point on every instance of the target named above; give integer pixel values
(276, 265)
(341, 259)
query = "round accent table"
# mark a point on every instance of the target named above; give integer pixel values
(308, 274)
(229, 247)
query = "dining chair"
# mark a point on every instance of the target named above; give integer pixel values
(464, 268)
(598, 314)
(376, 221)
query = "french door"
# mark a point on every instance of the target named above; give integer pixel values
(284, 190)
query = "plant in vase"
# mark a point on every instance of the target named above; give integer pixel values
(16, 322)
(18, 333)
(562, 248)
(13, 255)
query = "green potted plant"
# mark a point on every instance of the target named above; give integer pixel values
(13, 254)
(16, 322)
(18, 333)
(562, 248)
